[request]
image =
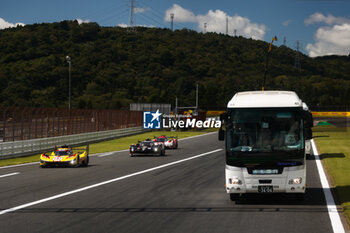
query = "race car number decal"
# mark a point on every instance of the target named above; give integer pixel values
(57, 158)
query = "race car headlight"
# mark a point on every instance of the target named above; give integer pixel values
(132, 148)
(295, 181)
(72, 161)
(156, 149)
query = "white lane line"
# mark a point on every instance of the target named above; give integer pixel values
(112, 152)
(103, 183)
(201, 135)
(19, 165)
(332, 208)
(10, 174)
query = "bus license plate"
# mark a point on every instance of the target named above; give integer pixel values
(265, 189)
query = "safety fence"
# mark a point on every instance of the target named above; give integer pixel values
(330, 114)
(33, 146)
(21, 123)
(314, 113)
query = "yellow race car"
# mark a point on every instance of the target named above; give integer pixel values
(64, 156)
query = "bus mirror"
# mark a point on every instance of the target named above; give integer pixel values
(309, 121)
(223, 116)
(221, 134)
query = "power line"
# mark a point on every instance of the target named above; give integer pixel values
(115, 16)
(149, 18)
(105, 11)
(154, 12)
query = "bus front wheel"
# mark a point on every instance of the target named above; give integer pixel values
(234, 196)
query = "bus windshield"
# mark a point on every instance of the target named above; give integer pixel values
(264, 130)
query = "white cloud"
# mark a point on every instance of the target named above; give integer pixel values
(287, 22)
(80, 21)
(329, 19)
(140, 10)
(181, 15)
(122, 25)
(333, 40)
(4, 24)
(216, 22)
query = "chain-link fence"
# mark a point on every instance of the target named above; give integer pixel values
(21, 123)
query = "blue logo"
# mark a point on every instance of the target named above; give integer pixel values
(151, 120)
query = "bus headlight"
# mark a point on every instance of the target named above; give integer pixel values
(295, 181)
(234, 181)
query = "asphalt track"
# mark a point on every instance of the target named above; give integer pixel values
(187, 196)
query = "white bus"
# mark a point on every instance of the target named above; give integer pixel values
(265, 134)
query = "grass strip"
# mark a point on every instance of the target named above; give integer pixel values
(334, 148)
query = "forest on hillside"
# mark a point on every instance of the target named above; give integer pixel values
(113, 67)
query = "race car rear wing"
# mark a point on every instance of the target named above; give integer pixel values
(171, 137)
(80, 149)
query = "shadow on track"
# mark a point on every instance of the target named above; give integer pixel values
(171, 210)
(313, 197)
(327, 156)
(314, 202)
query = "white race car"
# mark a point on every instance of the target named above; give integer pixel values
(169, 142)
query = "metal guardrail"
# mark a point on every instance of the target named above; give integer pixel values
(33, 146)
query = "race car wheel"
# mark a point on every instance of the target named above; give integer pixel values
(132, 155)
(86, 162)
(43, 166)
(159, 153)
(78, 161)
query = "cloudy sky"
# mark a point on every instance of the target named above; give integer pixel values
(321, 26)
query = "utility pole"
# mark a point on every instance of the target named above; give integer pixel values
(132, 10)
(226, 25)
(205, 28)
(172, 21)
(235, 32)
(284, 40)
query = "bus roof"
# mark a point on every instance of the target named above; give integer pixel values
(265, 99)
